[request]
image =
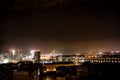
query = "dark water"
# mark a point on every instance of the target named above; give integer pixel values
(54, 76)
(48, 76)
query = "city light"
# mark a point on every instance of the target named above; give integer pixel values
(13, 52)
(32, 51)
(100, 52)
(5, 61)
(32, 54)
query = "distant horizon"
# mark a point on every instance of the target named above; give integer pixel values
(47, 51)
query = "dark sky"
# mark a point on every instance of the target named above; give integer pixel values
(78, 26)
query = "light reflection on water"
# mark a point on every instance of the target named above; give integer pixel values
(48, 77)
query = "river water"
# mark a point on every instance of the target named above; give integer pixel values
(48, 76)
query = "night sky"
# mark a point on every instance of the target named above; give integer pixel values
(71, 26)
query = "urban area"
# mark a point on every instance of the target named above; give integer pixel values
(58, 31)
(14, 65)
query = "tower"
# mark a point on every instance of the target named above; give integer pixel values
(37, 56)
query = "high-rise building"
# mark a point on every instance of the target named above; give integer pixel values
(37, 55)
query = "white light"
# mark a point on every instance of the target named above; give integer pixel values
(13, 52)
(32, 54)
(32, 51)
(6, 61)
(100, 52)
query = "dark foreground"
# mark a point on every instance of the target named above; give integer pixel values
(86, 71)
(48, 76)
